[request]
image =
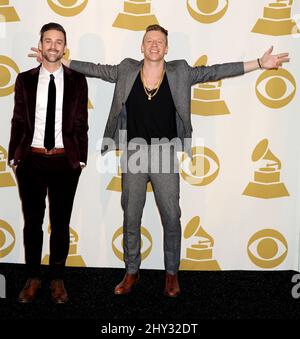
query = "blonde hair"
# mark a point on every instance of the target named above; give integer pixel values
(156, 28)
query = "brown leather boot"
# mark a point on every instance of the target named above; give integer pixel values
(58, 291)
(172, 288)
(126, 285)
(29, 291)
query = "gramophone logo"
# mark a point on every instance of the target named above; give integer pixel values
(267, 248)
(7, 81)
(116, 182)
(206, 97)
(118, 244)
(275, 88)
(73, 259)
(136, 15)
(199, 254)
(67, 7)
(207, 11)
(7, 12)
(67, 57)
(6, 178)
(266, 182)
(7, 239)
(277, 19)
(202, 169)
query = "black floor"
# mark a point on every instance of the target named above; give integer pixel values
(205, 295)
(207, 299)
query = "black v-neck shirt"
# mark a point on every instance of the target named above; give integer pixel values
(155, 118)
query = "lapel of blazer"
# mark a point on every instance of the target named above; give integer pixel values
(31, 89)
(67, 98)
(130, 79)
(173, 83)
(171, 78)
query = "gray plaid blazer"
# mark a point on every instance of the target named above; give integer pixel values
(181, 77)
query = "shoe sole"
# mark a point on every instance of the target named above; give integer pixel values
(172, 296)
(25, 301)
(59, 302)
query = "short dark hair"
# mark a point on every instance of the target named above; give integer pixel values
(54, 26)
(158, 28)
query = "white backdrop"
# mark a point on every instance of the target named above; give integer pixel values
(244, 212)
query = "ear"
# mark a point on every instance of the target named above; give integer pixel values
(167, 49)
(40, 45)
(142, 49)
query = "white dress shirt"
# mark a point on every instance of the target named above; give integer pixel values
(41, 107)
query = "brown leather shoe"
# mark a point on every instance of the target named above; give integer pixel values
(29, 291)
(58, 291)
(126, 285)
(172, 288)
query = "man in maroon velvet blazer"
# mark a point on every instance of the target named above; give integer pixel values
(48, 149)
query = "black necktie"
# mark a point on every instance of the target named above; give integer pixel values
(49, 139)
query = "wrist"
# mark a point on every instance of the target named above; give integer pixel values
(259, 62)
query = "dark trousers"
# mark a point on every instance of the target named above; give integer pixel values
(38, 176)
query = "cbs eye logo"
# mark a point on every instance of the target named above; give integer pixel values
(7, 239)
(202, 169)
(7, 81)
(207, 11)
(267, 248)
(67, 7)
(146, 243)
(275, 88)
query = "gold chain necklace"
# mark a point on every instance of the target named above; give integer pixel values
(147, 91)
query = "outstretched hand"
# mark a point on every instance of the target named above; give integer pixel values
(269, 61)
(37, 54)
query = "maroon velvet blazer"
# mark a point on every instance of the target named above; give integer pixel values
(74, 116)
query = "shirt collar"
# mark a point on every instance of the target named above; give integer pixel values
(57, 73)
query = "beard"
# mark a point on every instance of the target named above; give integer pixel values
(52, 58)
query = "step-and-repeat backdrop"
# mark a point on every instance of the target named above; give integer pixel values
(241, 209)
